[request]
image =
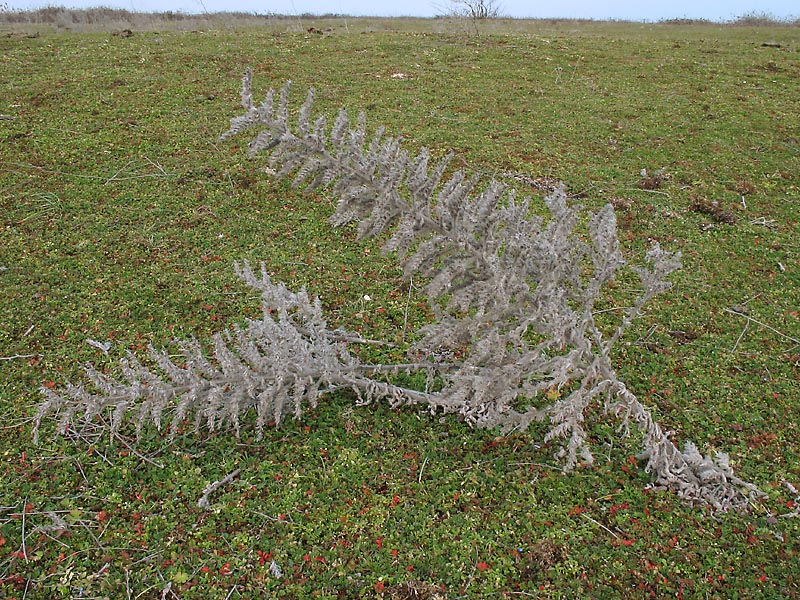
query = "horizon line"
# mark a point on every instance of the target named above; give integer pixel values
(764, 17)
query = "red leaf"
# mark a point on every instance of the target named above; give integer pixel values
(482, 566)
(618, 507)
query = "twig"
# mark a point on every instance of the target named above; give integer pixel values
(19, 356)
(213, 487)
(768, 223)
(643, 339)
(80, 468)
(405, 312)
(739, 339)
(167, 589)
(83, 437)
(24, 549)
(535, 464)
(757, 322)
(133, 450)
(612, 309)
(421, 469)
(287, 518)
(793, 490)
(599, 524)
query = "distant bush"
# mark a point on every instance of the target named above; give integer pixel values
(761, 19)
(104, 19)
(684, 21)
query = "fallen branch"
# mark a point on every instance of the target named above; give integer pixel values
(213, 487)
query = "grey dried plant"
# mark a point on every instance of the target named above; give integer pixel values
(272, 366)
(515, 297)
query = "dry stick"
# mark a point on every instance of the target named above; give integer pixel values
(422, 469)
(599, 524)
(275, 519)
(167, 589)
(213, 487)
(739, 339)
(757, 322)
(793, 490)
(405, 312)
(128, 590)
(133, 450)
(16, 356)
(24, 549)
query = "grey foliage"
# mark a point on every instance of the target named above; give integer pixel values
(272, 366)
(514, 294)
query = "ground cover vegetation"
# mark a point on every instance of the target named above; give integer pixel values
(122, 215)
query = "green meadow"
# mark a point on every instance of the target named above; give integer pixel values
(121, 215)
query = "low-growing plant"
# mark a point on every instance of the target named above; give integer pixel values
(519, 335)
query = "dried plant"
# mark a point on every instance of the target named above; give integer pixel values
(272, 366)
(516, 335)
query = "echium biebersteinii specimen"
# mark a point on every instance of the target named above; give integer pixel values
(513, 295)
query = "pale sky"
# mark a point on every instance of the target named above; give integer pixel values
(635, 10)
